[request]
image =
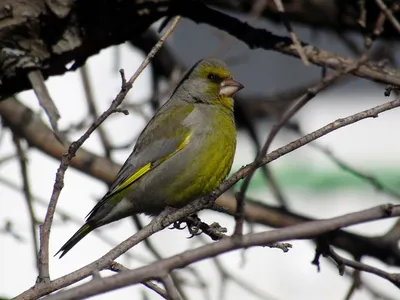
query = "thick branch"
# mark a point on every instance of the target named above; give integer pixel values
(56, 36)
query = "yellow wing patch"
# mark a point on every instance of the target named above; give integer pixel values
(147, 167)
(135, 176)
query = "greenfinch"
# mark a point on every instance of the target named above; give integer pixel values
(184, 152)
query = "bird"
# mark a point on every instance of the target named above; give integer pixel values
(183, 153)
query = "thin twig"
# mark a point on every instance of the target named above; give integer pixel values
(73, 148)
(373, 181)
(342, 262)
(8, 228)
(71, 218)
(93, 109)
(150, 246)
(117, 267)
(293, 36)
(227, 275)
(154, 287)
(167, 218)
(28, 197)
(388, 13)
(351, 290)
(7, 158)
(46, 102)
(303, 231)
(257, 38)
(362, 20)
(310, 94)
(170, 287)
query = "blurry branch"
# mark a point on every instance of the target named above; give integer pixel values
(28, 196)
(66, 217)
(170, 216)
(342, 262)
(376, 292)
(256, 212)
(163, 267)
(8, 228)
(6, 158)
(310, 94)
(44, 275)
(369, 179)
(117, 267)
(22, 120)
(290, 30)
(156, 288)
(393, 234)
(46, 102)
(356, 283)
(227, 275)
(153, 250)
(93, 109)
(388, 13)
(170, 287)
(261, 38)
(227, 41)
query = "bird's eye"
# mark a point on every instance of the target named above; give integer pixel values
(212, 77)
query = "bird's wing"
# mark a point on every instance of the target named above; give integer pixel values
(159, 141)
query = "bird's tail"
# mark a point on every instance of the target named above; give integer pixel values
(80, 234)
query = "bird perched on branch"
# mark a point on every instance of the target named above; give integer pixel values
(184, 152)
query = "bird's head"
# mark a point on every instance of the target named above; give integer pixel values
(209, 81)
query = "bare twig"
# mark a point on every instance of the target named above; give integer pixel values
(28, 197)
(354, 285)
(93, 109)
(7, 158)
(117, 267)
(227, 275)
(73, 148)
(302, 231)
(362, 20)
(71, 218)
(167, 218)
(388, 13)
(373, 181)
(293, 36)
(257, 38)
(170, 287)
(46, 102)
(154, 287)
(310, 94)
(150, 246)
(8, 228)
(342, 262)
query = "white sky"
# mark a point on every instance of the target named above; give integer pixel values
(284, 276)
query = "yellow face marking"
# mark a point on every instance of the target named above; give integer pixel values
(220, 72)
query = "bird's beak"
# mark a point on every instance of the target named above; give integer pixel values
(229, 87)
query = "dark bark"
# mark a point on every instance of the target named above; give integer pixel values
(49, 34)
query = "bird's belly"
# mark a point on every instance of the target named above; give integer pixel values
(189, 174)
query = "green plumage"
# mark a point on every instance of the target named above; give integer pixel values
(184, 152)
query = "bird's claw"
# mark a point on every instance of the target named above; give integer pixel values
(178, 225)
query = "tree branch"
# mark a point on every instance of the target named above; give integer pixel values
(303, 231)
(257, 38)
(167, 218)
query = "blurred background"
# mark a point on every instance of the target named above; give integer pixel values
(317, 180)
